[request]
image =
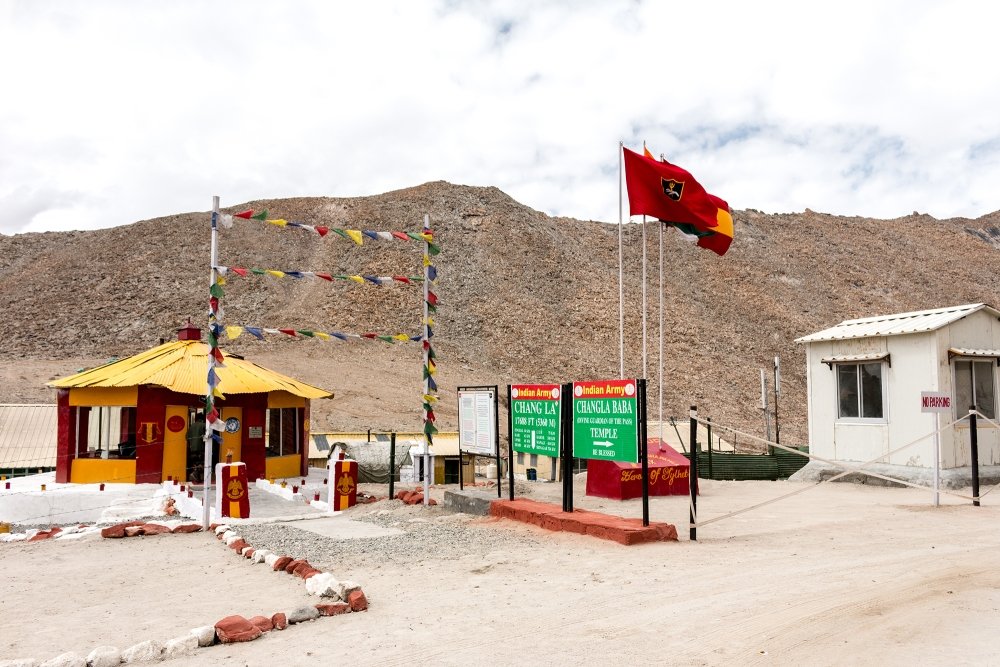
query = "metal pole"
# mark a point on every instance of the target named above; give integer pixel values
(510, 446)
(777, 391)
(660, 414)
(392, 463)
(763, 406)
(621, 288)
(710, 475)
(974, 454)
(428, 439)
(644, 449)
(693, 475)
(937, 461)
(209, 398)
(567, 447)
(644, 372)
(496, 438)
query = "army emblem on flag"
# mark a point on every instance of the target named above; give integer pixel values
(673, 189)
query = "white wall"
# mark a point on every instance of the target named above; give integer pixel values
(914, 369)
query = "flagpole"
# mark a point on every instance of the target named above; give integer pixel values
(621, 289)
(644, 285)
(660, 226)
(644, 296)
(213, 318)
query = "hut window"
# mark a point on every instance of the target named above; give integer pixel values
(283, 432)
(974, 386)
(106, 432)
(859, 391)
(520, 458)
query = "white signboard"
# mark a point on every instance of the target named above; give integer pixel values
(477, 421)
(934, 401)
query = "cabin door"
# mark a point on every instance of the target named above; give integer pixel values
(175, 444)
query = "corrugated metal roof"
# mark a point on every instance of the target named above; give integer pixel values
(895, 325)
(28, 436)
(969, 352)
(182, 366)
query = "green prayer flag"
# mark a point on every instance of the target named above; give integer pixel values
(260, 216)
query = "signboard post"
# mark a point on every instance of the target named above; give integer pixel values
(935, 402)
(478, 425)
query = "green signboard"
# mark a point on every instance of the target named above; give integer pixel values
(535, 418)
(606, 420)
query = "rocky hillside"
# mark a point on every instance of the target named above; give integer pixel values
(524, 297)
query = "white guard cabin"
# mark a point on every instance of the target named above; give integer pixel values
(865, 378)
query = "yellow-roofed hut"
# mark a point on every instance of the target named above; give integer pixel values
(140, 419)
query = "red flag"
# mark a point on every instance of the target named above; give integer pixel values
(666, 191)
(244, 214)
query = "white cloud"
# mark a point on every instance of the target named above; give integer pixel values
(115, 112)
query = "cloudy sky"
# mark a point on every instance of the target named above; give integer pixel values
(112, 112)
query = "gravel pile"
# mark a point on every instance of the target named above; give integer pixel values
(426, 531)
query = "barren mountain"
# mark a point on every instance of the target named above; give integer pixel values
(524, 297)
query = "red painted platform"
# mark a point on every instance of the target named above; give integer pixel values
(595, 524)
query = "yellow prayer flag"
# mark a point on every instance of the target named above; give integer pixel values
(357, 279)
(321, 335)
(279, 222)
(427, 237)
(402, 337)
(276, 274)
(220, 280)
(233, 332)
(355, 235)
(427, 260)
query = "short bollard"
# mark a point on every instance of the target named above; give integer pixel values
(190, 493)
(101, 488)
(43, 487)
(295, 489)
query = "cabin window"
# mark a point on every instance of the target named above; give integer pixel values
(974, 385)
(104, 432)
(520, 458)
(860, 391)
(533, 460)
(283, 432)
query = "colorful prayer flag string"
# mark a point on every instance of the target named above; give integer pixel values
(234, 331)
(356, 235)
(431, 303)
(381, 281)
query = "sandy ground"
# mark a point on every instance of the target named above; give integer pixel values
(837, 575)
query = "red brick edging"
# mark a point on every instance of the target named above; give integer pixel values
(583, 522)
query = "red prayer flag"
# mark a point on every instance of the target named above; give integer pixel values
(244, 214)
(322, 231)
(668, 192)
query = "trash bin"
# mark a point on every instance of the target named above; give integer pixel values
(532, 474)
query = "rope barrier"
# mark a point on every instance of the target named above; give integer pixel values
(848, 469)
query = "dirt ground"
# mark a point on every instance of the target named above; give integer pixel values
(839, 574)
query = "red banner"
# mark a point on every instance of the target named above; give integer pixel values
(235, 501)
(345, 486)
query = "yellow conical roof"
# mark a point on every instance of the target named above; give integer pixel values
(182, 366)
